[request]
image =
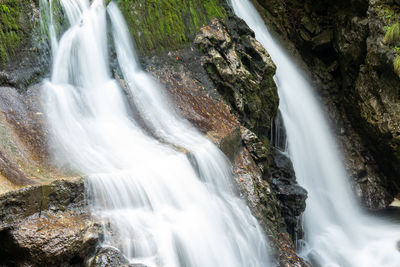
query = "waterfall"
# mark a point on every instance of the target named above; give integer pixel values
(337, 232)
(160, 206)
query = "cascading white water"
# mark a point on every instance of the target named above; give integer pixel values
(337, 233)
(160, 116)
(162, 211)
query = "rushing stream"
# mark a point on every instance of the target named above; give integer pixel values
(337, 232)
(164, 207)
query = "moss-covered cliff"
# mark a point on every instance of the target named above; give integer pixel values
(23, 57)
(11, 30)
(162, 25)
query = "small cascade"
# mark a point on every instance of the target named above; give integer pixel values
(157, 208)
(337, 232)
(278, 133)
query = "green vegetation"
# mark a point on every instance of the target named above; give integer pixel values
(10, 32)
(396, 65)
(158, 25)
(391, 16)
(392, 35)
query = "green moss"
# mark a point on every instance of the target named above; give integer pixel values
(396, 65)
(10, 30)
(3, 55)
(158, 25)
(213, 9)
(392, 35)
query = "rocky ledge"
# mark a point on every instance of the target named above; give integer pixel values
(46, 225)
(51, 225)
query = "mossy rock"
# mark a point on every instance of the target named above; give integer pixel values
(16, 24)
(161, 25)
(24, 56)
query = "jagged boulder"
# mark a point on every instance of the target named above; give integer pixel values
(242, 70)
(47, 225)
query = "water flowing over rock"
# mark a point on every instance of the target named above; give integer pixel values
(356, 78)
(242, 71)
(198, 101)
(156, 215)
(221, 89)
(337, 232)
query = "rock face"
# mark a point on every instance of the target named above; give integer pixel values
(47, 225)
(23, 56)
(242, 71)
(23, 149)
(352, 65)
(376, 92)
(291, 196)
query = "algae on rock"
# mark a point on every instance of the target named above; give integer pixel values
(161, 25)
(23, 56)
(11, 32)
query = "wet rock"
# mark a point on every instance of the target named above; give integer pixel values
(196, 98)
(281, 176)
(263, 202)
(258, 150)
(47, 224)
(229, 47)
(242, 70)
(291, 196)
(109, 257)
